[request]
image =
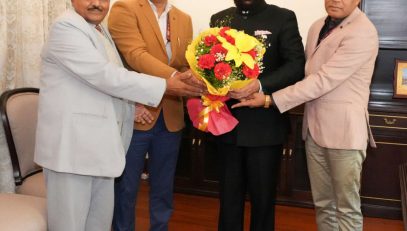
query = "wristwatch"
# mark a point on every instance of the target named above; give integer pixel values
(267, 101)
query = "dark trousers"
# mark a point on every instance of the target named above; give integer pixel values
(162, 147)
(248, 169)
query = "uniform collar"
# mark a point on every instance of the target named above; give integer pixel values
(252, 10)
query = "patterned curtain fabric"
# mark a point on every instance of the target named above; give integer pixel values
(24, 26)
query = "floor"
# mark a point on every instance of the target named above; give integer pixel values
(196, 213)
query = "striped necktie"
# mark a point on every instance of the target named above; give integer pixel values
(99, 28)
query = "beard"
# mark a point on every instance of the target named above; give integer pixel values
(248, 4)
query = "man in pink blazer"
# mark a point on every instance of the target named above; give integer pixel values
(341, 51)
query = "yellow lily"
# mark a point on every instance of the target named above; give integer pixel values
(243, 43)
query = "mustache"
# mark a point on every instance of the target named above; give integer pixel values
(100, 9)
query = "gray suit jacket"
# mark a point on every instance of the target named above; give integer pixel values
(80, 92)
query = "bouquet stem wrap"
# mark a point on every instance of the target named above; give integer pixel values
(210, 114)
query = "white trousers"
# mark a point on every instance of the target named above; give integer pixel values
(79, 202)
(335, 184)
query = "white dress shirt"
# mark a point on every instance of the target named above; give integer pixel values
(162, 23)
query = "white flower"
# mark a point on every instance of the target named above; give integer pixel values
(219, 57)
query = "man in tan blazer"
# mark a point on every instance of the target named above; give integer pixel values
(152, 36)
(341, 51)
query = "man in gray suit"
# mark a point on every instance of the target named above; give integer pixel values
(85, 116)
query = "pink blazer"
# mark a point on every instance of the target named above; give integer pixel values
(336, 87)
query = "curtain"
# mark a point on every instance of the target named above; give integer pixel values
(24, 26)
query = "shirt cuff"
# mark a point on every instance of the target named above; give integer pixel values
(260, 87)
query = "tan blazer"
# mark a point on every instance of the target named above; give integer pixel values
(135, 30)
(336, 87)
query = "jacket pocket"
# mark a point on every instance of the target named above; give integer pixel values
(88, 119)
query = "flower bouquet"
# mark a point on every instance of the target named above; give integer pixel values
(224, 59)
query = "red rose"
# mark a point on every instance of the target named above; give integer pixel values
(228, 38)
(252, 53)
(251, 73)
(210, 40)
(222, 71)
(206, 61)
(218, 49)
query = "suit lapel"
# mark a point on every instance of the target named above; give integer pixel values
(109, 37)
(174, 33)
(150, 16)
(314, 37)
(343, 24)
(87, 28)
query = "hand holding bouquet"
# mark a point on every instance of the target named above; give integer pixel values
(224, 59)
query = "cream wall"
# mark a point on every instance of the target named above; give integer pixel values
(307, 11)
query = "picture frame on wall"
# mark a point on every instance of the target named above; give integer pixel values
(400, 79)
